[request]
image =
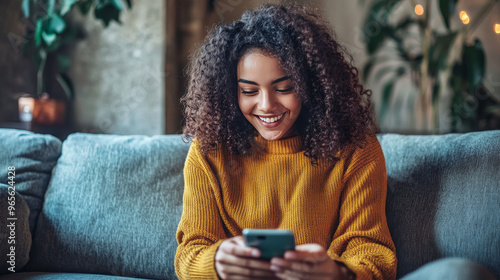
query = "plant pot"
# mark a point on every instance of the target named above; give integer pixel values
(42, 110)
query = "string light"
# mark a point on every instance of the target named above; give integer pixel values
(464, 17)
(419, 10)
(497, 28)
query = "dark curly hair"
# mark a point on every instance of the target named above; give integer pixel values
(336, 109)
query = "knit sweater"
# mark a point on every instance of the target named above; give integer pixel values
(340, 205)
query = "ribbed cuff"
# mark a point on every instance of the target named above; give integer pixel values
(208, 261)
(359, 274)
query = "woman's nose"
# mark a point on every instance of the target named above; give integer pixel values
(266, 101)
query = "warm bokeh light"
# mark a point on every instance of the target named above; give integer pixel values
(497, 28)
(419, 10)
(466, 20)
(463, 15)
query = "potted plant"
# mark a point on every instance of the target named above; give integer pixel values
(49, 35)
(445, 66)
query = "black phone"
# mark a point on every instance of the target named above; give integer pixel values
(270, 242)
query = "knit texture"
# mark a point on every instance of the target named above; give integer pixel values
(340, 206)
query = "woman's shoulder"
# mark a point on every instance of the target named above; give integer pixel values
(368, 145)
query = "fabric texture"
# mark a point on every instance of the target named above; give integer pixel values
(112, 207)
(451, 269)
(14, 232)
(444, 197)
(340, 206)
(62, 276)
(32, 157)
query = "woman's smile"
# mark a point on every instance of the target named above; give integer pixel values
(271, 121)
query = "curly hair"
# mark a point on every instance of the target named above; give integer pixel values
(336, 108)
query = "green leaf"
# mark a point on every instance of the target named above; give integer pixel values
(447, 8)
(375, 42)
(66, 84)
(474, 61)
(438, 52)
(67, 4)
(387, 92)
(26, 8)
(55, 24)
(435, 92)
(64, 62)
(50, 8)
(38, 32)
(48, 38)
(107, 13)
(118, 4)
(84, 6)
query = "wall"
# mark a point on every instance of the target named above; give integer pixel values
(17, 73)
(118, 73)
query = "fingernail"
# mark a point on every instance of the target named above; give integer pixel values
(275, 268)
(255, 253)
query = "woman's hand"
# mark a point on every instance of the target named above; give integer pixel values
(308, 261)
(235, 261)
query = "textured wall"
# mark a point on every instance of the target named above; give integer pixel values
(17, 73)
(118, 73)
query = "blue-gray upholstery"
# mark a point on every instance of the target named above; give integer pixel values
(112, 207)
(113, 204)
(443, 197)
(33, 156)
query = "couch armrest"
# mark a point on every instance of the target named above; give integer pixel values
(15, 236)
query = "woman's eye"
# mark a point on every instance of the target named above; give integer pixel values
(248, 91)
(285, 90)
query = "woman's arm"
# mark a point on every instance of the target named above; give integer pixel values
(362, 240)
(200, 229)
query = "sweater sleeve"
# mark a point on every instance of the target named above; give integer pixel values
(362, 240)
(200, 229)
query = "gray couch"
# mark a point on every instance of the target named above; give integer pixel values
(107, 206)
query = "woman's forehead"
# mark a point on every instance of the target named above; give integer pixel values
(257, 65)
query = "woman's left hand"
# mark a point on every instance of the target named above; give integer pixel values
(308, 261)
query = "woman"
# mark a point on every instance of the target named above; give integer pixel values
(284, 137)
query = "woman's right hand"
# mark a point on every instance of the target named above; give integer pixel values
(235, 261)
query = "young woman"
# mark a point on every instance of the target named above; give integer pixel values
(283, 137)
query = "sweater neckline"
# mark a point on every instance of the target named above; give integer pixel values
(282, 146)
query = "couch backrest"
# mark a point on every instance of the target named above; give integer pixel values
(112, 207)
(113, 203)
(444, 197)
(26, 162)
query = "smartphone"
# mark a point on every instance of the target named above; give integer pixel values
(270, 242)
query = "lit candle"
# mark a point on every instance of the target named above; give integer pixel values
(419, 10)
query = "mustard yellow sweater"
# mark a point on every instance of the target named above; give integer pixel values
(340, 206)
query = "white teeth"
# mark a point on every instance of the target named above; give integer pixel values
(271, 120)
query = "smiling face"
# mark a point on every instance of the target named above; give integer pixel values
(266, 96)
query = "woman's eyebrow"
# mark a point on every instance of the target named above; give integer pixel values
(273, 82)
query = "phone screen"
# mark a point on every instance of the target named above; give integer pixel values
(270, 242)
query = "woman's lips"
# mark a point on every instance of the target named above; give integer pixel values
(271, 125)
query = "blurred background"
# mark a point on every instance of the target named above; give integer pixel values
(117, 66)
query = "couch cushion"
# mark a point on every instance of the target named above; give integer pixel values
(15, 236)
(112, 207)
(33, 156)
(62, 276)
(444, 197)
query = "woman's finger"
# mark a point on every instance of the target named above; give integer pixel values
(243, 262)
(293, 275)
(233, 248)
(252, 273)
